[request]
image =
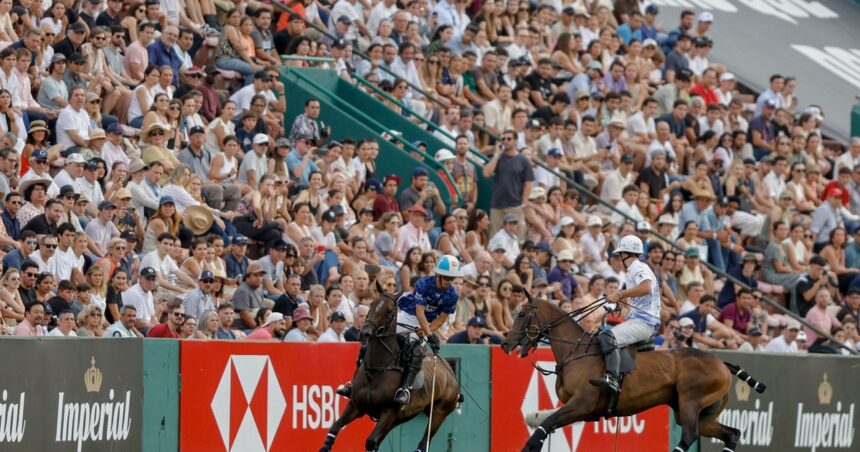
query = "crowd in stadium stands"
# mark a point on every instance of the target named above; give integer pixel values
(154, 185)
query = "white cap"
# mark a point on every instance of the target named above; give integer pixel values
(643, 226)
(686, 321)
(667, 219)
(565, 255)
(801, 336)
(649, 42)
(444, 155)
(594, 221)
(706, 16)
(75, 158)
(565, 221)
(261, 138)
(727, 76)
(537, 192)
(275, 316)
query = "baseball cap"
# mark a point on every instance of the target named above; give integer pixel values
(148, 272)
(39, 154)
(684, 75)
(206, 275)
(78, 27)
(643, 226)
(344, 20)
(801, 336)
(128, 235)
(57, 58)
(337, 316)
(329, 215)
(685, 321)
(261, 138)
(166, 200)
(192, 70)
(652, 9)
(477, 321)
(792, 325)
(817, 260)
(543, 246)
(282, 143)
(91, 164)
(770, 103)
(554, 152)
(280, 245)
(107, 205)
(540, 282)
(510, 218)
(76, 57)
(420, 171)
(649, 42)
(240, 240)
(67, 190)
(75, 158)
(626, 158)
(198, 129)
(754, 331)
(595, 65)
(691, 252)
(272, 318)
(301, 313)
(727, 76)
(114, 128)
(262, 75)
(706, 16)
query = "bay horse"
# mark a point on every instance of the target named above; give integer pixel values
(380, 375)
(693, 382)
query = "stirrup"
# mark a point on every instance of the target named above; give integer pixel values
(606, 383)
(402, 396)
(345, 390)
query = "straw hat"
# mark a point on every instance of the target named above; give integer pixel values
(153, 126)
(38, 125)
(199, 219)
(22, 188)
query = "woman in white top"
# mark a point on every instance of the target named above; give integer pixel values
(7, 31)
(224, 165)
(142, 96)
(220, 128)
(57, 20)
(345, 165)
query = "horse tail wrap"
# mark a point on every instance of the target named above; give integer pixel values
(745, 377)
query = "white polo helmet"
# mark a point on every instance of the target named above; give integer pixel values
(629, 244)
(450, 266)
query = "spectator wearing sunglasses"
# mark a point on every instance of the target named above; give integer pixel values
(170, 328)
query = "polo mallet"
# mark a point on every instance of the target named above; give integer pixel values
(432, 398)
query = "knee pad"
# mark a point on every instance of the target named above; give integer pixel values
(607, 341)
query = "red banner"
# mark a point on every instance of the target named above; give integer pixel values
(519, 389)
(246, 396)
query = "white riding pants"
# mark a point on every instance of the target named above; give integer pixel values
(632, 331)
(404, 318)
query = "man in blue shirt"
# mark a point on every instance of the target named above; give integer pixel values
(237, 261)
(9, 215)
(562, 275)
(632, 29)
(696, 210)
(162, 53)
(300, 160)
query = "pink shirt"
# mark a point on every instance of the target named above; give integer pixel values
(25, 328)
(261, 334)
(135, 53)
(820, 318)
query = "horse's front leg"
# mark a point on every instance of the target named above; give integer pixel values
(350, 414)
(576, 409)
(385, 424)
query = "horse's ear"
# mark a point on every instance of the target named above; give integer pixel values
(398, 294)
(379, 287)
(528, 296)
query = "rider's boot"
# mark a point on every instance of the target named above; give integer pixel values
(345, 390)
(612, 359)
(416, 358)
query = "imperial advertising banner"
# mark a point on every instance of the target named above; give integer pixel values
(519, 390)
(810, 403)
(62, 394)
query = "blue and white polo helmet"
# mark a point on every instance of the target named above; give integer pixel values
(448, 266)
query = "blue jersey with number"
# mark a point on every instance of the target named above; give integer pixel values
(434, 300)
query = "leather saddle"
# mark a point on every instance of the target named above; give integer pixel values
(628, 355)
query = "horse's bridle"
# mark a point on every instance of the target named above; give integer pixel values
(531, 334)
(378, 332)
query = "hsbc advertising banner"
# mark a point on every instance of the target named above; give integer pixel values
(811, 403)
(71, 394)
(519, 390)
(244, 396)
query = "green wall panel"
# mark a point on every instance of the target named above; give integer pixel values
(160, 395)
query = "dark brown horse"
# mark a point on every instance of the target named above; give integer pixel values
(694, 383)
(379, 377)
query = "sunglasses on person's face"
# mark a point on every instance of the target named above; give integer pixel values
(179, 314)
(50, 245)
(174, 108)
(156, 134)
(484, 284)
(41, 162)
(207, 281)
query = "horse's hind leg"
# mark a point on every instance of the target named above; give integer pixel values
(387, 421)
(712, 429)
(689, 415)
(350, 414)
(440, 411)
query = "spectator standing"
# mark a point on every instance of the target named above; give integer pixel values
(512, 182)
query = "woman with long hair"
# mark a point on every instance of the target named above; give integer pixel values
(134, 15)
(10, 120)
(119, 283)
(37, 138)
(427, 264)
(208, 324)
(311, 195)
(302, 223)
(116, 250)
(521, 272)
(165, 219)
(11, 305)
(196, 262)
(387, 244)
(689, 239)
(498, 309)
(431, 73)
(452, 240)
(795, 186)
(566, 53)
(57, 20)
(142, 97)
(44, 287)
(796, 251)
(95, 277)
(409, 269)
(673, 209)
(260, 224)
(299, 47)
(834, 254)
(91, 322)
(478, 231)
(232, 52)
(775, 269)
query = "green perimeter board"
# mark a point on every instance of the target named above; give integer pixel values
(160, 395)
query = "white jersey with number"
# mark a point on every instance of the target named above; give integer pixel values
(646, 307)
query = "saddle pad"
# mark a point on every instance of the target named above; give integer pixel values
(419, 381)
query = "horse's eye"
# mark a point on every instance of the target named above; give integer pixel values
(522, 314)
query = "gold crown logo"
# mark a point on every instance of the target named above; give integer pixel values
(825, 391)
(742, 391)
(93, 377)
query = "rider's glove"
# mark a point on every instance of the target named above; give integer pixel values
(433, 342)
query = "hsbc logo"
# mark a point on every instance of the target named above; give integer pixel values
(248, 404)
(540, 395)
